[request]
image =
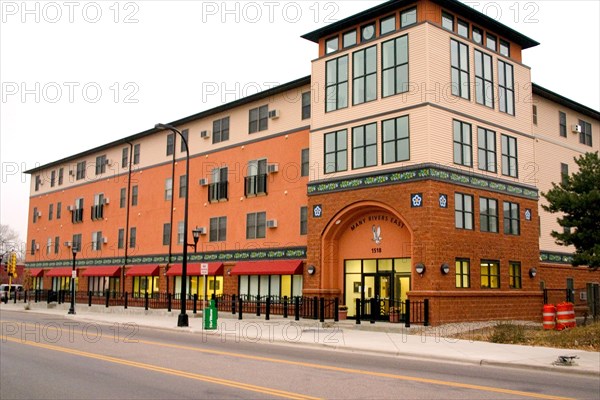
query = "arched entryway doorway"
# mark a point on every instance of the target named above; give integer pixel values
(366, 253)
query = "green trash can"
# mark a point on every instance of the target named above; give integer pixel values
(210, 316)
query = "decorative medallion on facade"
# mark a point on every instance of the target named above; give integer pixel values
(527, 214)
(317, 211)
(443, 201)
(416, 200)
(377, 235)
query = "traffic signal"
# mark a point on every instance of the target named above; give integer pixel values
(12, 264)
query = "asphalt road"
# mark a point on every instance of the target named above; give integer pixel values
(44, 357)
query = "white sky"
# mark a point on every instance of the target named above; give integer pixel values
(154, 61)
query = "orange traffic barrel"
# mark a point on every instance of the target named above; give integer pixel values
(565, 316)
(549, 316)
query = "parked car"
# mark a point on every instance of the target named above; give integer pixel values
(13, 289)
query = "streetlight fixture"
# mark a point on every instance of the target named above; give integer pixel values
(182, 320)
(74, 249)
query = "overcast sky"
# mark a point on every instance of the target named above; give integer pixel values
(76, 75)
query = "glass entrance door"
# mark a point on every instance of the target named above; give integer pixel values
(377, 293)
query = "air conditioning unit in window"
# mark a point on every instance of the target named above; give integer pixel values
(104, 240)
(68, 244)
(39, 213)
(37, 246)
(272, 223)
(71, 172)
(69, 208)
(106, 200)
(202, 230)
(203, 182)
(205, 134)
(107, 162)
(274, 114)
(576, 128)
(272, 168)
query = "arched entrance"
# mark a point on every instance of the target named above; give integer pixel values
(366, 253)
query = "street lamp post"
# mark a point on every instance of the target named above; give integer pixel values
(73, 275)
(182, 320)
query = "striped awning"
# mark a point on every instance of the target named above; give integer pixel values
(279, 267)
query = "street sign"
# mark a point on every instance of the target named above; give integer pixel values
(74, 274)
(204, 269)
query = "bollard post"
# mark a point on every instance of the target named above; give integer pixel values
(49, 295)
(322, 309)
(126, 300)
(407, 314)
(196, 303)
(146, 301)
(89, 298)
(233, 304)
(297, 308)
(285, 306)
(373, 309)
(268, 309)
(426, 312)
(258, 306)
(169, 302)
(358, 311)
(315, 307)
(240, 307)
(107, 298)
(336, 309)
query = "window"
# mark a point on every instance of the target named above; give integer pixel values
(534, 113)
(514, 275)
(168, 188)
(511, 218)
(101, 162)
(56, 244)
(585, 137)
(564, 173)
(447, 21)
(256, 224)
(80, 170)
(463, 273)
(332, 45)
(61, 173)
(506, 92)
(394, 60)
(488, 215)
(182, 186)
(463, 211)
(132, 237)
(349, 39)
(185, 133)
(170, 144)
(490, 41)
(303, 220)
(35, 214)
(562, 124)
(462, 143)
(336, 151)
(32, 251)
(477, 35)
(76, 243)
(490, 274)
(336, 89)
(220, 130)
(77, 215)
(180, 232)
(364, 146)
(50, 212)
(97, 241)
(305, 162)
(136, 154)
(134, 196)
(504, 48)
(486, 147)
(306, 105)
(460, 69)
(217, 190)
(259, 119)
(98, 207)
(408, 17)
(387, 25)
(256, 181)
(463, 28)
(124, 157)
(484, 79)
(218, 229)
(123, 198)
(52, 178)
(509, 156)
(367, 33)
(58, 210)
(395, 140)
(166, 236)
(121, 239)
(38, 182)
(48, 246)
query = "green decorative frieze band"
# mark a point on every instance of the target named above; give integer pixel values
(423, 172)
(234, 255)
(556, 258)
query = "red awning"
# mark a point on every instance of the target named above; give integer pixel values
(214, 268)
(59, 272)
(36, 272)
(102, 271)
(142, 270)
(281, 267)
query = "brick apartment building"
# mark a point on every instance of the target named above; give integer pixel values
(409, 164)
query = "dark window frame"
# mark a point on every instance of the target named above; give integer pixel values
(258, 119)
(512, 218)
(337, 84)
(466, 215)
(101, 162)
(399, 141)
(217, 229)
(366, 147)
(448, 18)
(170, 144)
(484, 81)
(506, 88)
(510, 159)
(462, 270)
(486, 150)
(412, 12)
(305, 162)
(336, 152)
(515, 280)
(585, 137)
(166, 236)
(306, 105)
(220, 131)
(460, 69)
(134, 195)
(395, 66)
(256, 225)
(562, 124)
(490, 275)
(303, 220)
(461, 144)
(488, 220)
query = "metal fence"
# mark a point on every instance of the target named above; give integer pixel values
(586, 300)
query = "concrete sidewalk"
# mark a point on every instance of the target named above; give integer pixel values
(380, 338)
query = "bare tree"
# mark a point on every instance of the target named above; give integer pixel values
(10, 240)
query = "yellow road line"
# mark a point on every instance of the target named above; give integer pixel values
(169, 371)
(438, 382)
